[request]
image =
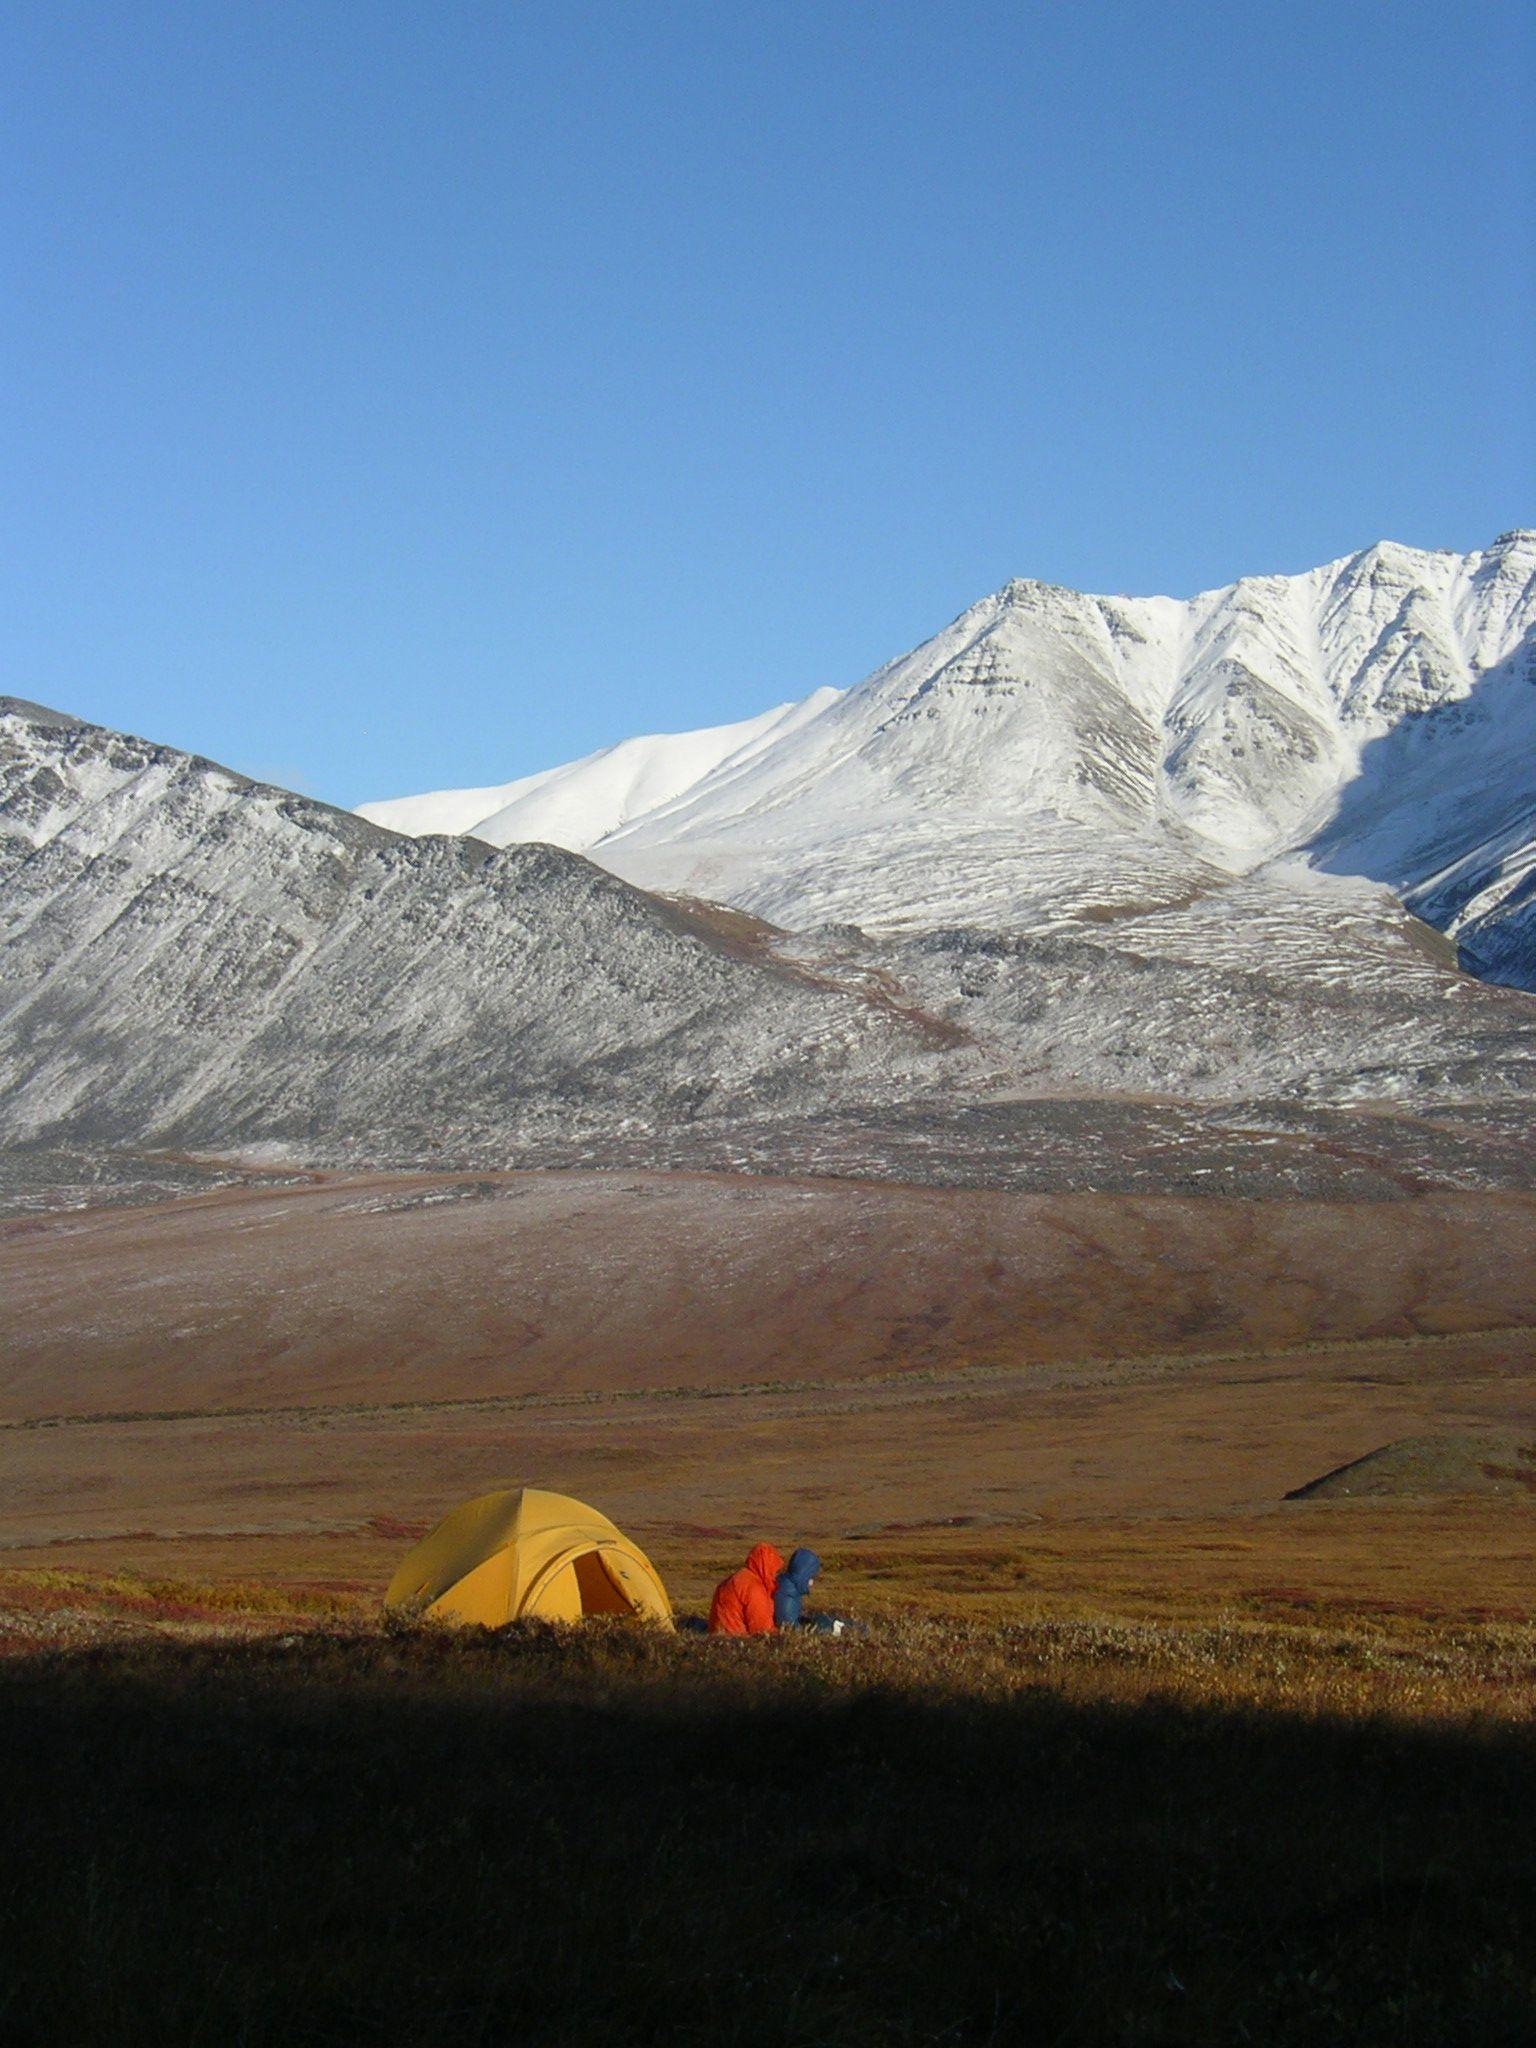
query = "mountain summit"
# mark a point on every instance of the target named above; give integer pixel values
(1052, 759)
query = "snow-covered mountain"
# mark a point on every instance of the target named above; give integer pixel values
(1072, 847)
(1052, 761)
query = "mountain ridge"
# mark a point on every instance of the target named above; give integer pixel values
(192, 958)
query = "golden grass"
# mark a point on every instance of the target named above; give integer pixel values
(113, 1596)
(1294, 1614)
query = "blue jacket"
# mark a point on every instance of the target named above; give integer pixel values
(794, 1584)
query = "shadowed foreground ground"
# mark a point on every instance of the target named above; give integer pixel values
(606, 1836)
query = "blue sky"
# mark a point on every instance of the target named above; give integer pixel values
(402, 395)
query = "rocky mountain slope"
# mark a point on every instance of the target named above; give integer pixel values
(190, 959)
(1051, 762)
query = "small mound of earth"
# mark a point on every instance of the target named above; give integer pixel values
(1431, 1465)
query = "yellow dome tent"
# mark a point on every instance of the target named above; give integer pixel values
(525, 1552)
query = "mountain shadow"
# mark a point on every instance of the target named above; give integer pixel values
(1443, 810)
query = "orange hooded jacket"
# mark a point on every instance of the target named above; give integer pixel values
(743, 1603)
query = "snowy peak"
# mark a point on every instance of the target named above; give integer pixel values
(1028, 708)
(1049, 754)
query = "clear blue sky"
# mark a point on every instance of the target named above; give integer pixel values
(404, 393)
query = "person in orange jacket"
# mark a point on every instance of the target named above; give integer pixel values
(743, 1603)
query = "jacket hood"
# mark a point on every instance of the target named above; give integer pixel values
(766, 1563)
(803, 1566)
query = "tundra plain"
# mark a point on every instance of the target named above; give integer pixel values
(278, 1381)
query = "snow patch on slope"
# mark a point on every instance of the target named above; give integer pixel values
(587, 800)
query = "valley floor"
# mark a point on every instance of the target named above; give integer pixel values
(807, 1359)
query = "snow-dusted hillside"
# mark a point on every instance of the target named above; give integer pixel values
(191, 959)
(1051, 761)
